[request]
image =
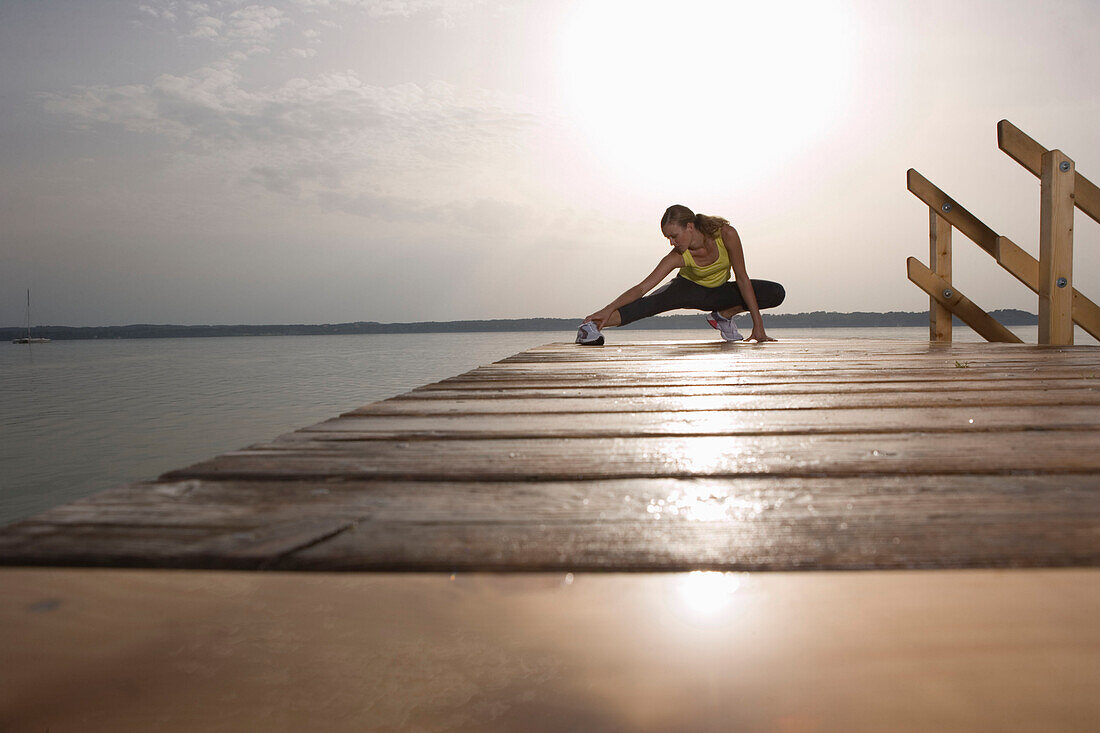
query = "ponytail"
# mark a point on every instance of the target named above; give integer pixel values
(710, 225)
(682, 216)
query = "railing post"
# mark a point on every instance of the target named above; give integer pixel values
(1056, 249)
(939, 257)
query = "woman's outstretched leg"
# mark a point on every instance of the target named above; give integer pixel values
(663, 299)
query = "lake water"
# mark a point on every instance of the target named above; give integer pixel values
(80, 416)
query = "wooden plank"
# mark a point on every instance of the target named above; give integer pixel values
(256, 503)
(537, 379)
(741, 546)
(1028, 153)
(712, 403)
(104, 543)
(934, 356)
(1063, 451)
(823, 346)
(1056, 250)
(939, 257)
(701, 348)
(569, 392)
(938, 366)
(1086, 314)
(1013, 651)
(1018, 263)
(952, 211)
(599, 378)
(776, 523)
(953, 300)
(692, 340)
(857, 543)
(735, 359)
(734, 422)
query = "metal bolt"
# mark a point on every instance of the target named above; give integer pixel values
(1061, 282)
(946, 208)
(947, 293)
(1063, 166)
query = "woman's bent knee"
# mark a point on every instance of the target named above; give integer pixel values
(780, 295)
(769, 294)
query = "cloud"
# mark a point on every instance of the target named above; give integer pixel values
(397, 152)
(252, 29)
(255, 23)
(163, 12)
(207, 27)
(330, 139)
(396, 8)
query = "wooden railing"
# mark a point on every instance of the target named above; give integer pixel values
(1051, 276)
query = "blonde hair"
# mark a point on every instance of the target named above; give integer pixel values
(682, 216)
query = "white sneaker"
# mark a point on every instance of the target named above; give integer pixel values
(589, 335)
(725, 326)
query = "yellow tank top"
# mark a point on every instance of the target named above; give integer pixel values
(712, 275)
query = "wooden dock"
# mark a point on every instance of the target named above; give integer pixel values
(966, 477)
(823, 454)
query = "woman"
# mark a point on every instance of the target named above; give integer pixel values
(704, 249)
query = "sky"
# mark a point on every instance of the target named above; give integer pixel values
(324, 161)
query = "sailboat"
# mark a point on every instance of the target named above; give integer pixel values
(28, 339)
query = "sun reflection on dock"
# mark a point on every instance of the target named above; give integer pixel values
(708, 596)
(703, 504)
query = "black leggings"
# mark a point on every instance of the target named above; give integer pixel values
(683, 293)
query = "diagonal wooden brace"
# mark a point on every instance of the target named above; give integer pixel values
(950, 298)
(1008, 254)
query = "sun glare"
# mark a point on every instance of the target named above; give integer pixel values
(707, 595)
(701, 88)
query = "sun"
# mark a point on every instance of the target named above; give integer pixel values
(697, 89)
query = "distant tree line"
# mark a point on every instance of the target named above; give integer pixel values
(815, 319)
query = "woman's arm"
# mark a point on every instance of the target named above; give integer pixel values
(737, 261)
(668, 263)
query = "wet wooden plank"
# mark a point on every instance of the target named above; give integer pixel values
(537, 378)
(718, 362)
(742, 546)
(788, 352)
(786, 387)
(944, 420)
(747, 401)
(581, 459)
(231, 505)
(741, 523)
(258, 545)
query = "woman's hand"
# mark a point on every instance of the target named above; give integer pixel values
(759, 336)
(599, 317)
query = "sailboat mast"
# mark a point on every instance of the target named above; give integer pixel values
(28, 313)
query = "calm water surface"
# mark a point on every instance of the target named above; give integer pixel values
(80, 416)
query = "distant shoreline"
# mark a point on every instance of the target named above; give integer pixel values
(816, 319)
